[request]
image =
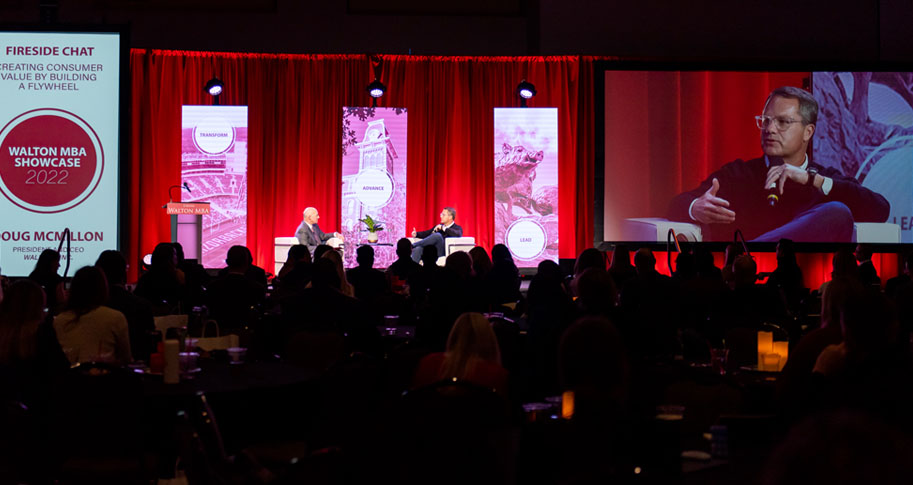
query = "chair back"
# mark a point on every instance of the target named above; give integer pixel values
(456, 422)
(98, 408)
(20, 448)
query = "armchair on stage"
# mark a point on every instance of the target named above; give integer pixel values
(655, 229)
(452, 245)
(282, 244)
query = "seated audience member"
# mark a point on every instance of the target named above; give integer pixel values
(841, 448)
(428, 277)
(253, 272)
(402, 270)
(137, 311)
(298, 253)
(596, 293)
(163, 285)
(867, 273)
(893, 285)
(30, 356)
(706, 266)
(621, 269)
(843, 265)
(464, 294)
(472, 354)
(591, 362)
(647, 307)
(787, 277)
(699, 295)
(868, 328)
(589, 258)
(749, 305)
(324, 308)
(45, 274)
(295, 274)
(504, 278)
(900, 290)
(460, 263)
(732, 251)
(319, 251)
(481, 263)
(870, 370)
(233, 298)
(434, 237)
(195, 276)
(794, 381)
(344, 286)
(685, 268)
(87, 330)
(369, 283)
(550, 310)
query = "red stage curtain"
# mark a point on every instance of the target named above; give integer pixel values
(295, 106)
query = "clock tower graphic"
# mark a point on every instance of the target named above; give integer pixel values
(372, 186)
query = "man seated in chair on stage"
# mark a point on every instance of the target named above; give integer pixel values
(309, 233)
(434, 237)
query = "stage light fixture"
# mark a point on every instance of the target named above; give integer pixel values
(526, 90)
(376, 89)
(214, 87)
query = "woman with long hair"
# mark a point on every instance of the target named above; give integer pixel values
(344, 286)
(504, 277)
(621, 268)
(481, 262)
(87, 330)
(29, 353)
(472, 354)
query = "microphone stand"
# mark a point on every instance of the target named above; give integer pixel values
(670, 239)
(179, 187)
(66, 236)
(738, 238)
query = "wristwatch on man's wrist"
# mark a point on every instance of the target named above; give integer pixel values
(812, 171)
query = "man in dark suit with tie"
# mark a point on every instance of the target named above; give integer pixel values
(435, 236)
(309, 233)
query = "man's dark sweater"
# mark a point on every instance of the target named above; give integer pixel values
(742, 184)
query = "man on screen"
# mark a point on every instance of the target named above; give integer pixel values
(309, 233)
(433, 238)
(781, 195)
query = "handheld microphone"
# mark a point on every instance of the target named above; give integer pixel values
(187, 187)
(773, 192)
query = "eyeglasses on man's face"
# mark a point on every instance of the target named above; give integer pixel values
(780, 123)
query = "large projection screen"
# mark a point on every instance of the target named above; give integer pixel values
(59, 141)
(668, 134)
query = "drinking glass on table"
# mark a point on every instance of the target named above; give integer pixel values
(718, 360)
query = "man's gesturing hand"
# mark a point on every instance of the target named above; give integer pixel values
(781, 173)
(710, 209)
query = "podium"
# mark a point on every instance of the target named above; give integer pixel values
(187, 226)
